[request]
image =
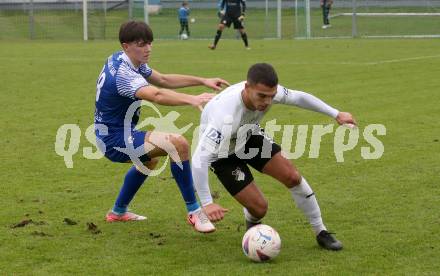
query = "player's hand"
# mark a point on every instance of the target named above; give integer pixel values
(215, 83)
(200, 100)
(215, 212)
(241, 17)
(345, 118)
(222, 12)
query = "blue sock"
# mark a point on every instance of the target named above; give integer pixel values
(132, 182)
(184, 180)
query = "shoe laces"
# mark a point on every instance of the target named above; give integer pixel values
(202, 217)
(328, 235)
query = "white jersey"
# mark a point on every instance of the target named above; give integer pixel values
(222, 118)
(226, 124)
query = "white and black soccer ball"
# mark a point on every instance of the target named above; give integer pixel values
(261, 243)
(184, 36)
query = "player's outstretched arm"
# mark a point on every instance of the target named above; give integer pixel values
(304, 100)
(310, 102)
(199, 167)
(179, 81)
(164, 96)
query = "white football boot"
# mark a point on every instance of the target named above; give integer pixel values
(200, 222)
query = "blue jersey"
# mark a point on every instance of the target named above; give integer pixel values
(115, 90)
(183, 13)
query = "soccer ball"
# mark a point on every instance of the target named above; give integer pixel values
(193, 20)
(184, 36)
(261, 243)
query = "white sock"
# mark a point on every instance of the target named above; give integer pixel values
(306, 201)
(249, 217)
(195, 211)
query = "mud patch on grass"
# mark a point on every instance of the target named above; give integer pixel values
(215, 194)
(157, 238)
(69, 221)
(155, 235)
(22, 223)
(41, 234)
(93, 228)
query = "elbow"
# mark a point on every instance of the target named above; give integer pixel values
(157, 96)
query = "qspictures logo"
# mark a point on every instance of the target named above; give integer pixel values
(295, 139)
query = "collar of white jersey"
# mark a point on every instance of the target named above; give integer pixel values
(127, 59)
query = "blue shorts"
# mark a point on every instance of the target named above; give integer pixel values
(115, 139)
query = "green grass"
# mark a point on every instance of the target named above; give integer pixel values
(385, 211)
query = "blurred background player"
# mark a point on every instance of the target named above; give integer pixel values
(326, 6)
(232, 12)
(125, 79)
(219, 9)
(220, 15)
(231, 140)
(183, 18)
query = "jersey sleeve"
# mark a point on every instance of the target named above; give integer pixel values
(129, 81)
(200, 162)
(303, 100)
(145, 71)
(213, 144)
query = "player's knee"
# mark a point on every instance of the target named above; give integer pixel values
(151, 164)
(260, 208)
(293, 178)
(181, 144)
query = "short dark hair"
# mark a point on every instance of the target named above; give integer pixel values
(262, 73)
(134, 31)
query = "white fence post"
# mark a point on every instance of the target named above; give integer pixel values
(353, 20)
(31, 20)
(308, 20)
(146, 11)
(85, 20)
(279, 19)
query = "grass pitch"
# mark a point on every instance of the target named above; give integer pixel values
(385, 211)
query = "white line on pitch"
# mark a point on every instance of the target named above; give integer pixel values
(401, 60)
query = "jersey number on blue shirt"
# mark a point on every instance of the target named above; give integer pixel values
(100, 83)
